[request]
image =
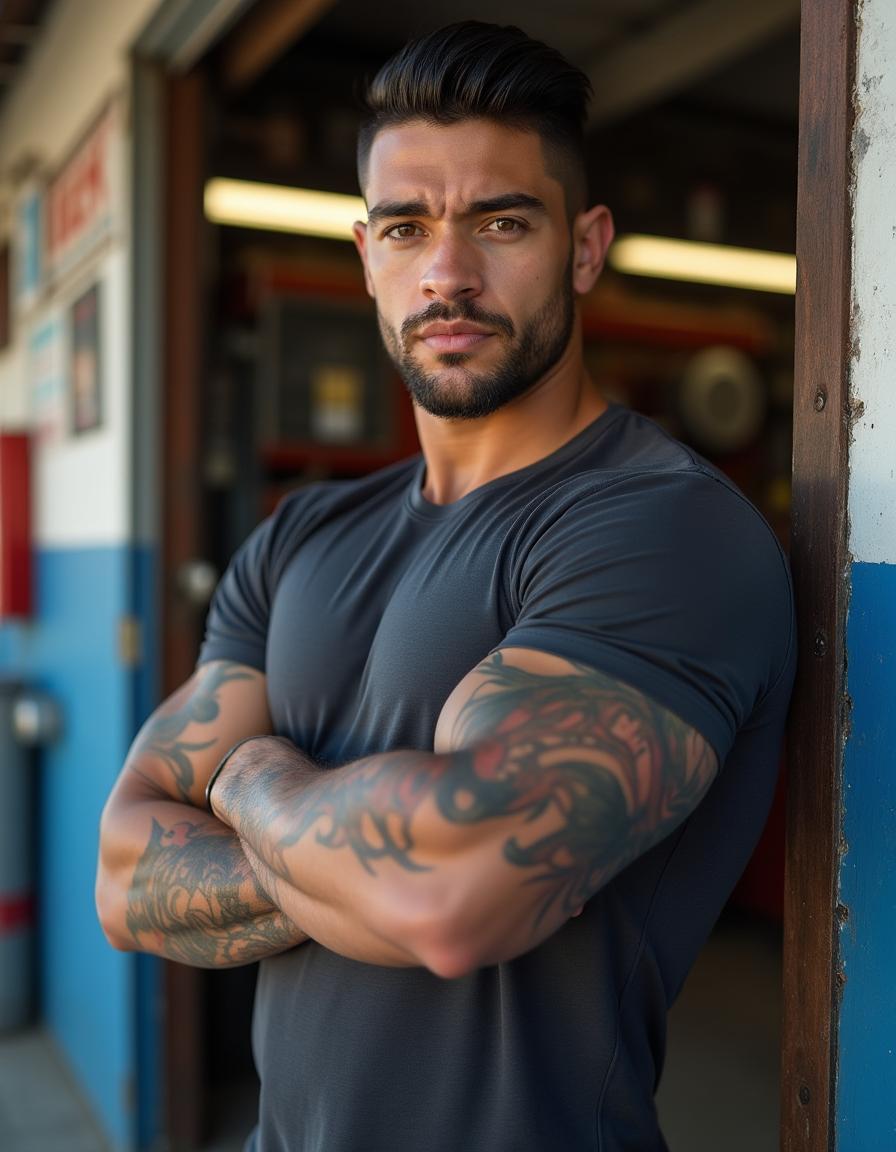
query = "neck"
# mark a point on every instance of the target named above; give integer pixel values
(462, 455)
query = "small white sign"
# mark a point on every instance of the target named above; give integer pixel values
(28, 238)
(46, 380)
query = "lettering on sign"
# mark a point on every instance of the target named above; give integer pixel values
(84, 198)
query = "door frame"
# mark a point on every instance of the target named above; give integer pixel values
(819, 715)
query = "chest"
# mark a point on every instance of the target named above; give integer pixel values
(373, 625)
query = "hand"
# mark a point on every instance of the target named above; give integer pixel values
(255, 759)
(215, 792)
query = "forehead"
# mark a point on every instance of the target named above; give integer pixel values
(467, 161)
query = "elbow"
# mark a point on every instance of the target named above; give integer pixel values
(445, 953)
(111, 910)
(475, 925)
(111, 887)
(441, 939)
(411, 918)
(457, 918)
(451, 961)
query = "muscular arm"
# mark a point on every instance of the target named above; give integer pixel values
(172, 879)
(548, 777)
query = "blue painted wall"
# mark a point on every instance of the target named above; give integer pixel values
(88, 992)
(149, 1004)
(866, 1089)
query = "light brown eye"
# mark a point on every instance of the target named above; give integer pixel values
(506, 225)
(402, 231)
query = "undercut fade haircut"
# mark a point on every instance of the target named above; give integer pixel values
(482, 71)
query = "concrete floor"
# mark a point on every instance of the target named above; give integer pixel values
(40, 1107)
(719, 1089)
(722, 1077)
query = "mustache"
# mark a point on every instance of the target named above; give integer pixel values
(463, 310)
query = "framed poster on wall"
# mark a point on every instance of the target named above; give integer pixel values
(86, 362)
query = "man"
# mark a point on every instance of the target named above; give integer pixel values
(514, 706)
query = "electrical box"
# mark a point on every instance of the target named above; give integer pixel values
(15, 525)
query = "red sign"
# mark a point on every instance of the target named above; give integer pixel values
(83, 198)
(15, 525)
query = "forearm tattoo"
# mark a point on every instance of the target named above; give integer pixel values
(610, 773)
(195, 899)
(197, 704)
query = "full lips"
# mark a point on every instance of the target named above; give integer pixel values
(464, 311)
(455, 341)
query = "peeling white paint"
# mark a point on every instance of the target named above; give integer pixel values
(872, 492)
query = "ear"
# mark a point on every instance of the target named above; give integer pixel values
(592, 235)
(359, 232)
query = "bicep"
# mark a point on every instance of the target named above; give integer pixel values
(178, 747)
(591, 770)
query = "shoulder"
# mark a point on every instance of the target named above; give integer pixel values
(678, 505)
(660, 560)
(626, 459)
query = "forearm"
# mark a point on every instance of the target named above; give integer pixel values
(175, 882)
(338, 927)
(325, 855)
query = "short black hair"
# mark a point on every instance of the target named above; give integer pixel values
(473, 70)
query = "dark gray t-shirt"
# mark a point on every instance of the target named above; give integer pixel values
(365, 605)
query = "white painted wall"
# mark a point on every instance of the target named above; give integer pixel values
(872, 488)
(83, 484)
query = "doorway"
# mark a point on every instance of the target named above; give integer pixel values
(696, 159)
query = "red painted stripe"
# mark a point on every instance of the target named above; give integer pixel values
(16, 912)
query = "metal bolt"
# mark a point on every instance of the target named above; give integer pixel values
(820, 400)
(821, 642)
(804, 1094)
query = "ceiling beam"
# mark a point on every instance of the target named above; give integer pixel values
(269, 31)
(680, 50)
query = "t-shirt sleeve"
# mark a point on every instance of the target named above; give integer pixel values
(673, 584)
(236, 627)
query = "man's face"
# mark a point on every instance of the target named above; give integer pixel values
(468, 254)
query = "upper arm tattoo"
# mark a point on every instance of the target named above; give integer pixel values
(615, 770)
(595, 771)
(162, 736)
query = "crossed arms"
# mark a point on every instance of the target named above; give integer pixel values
(547, 777)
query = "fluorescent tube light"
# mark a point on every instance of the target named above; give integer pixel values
(282, 209)
(704, 263)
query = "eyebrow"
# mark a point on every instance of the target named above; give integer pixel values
(392, 209)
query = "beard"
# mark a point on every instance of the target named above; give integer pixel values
(469, 395)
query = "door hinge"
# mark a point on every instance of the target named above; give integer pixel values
(130, 641)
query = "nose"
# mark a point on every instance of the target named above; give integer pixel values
(452, 270)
